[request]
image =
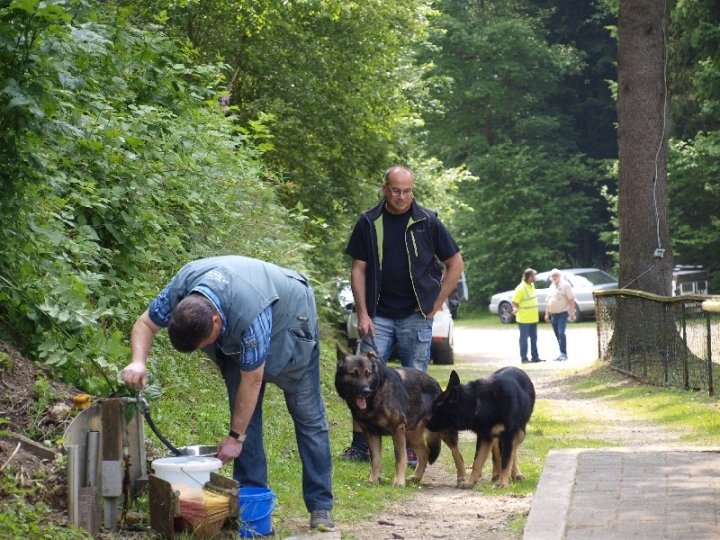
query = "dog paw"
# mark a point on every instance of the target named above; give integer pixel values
(375, 481)
(501, 485)
(464, 484)
(414, 479)
(399, 482)
(516, 477)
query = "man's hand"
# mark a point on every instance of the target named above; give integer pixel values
(135, 375)
(229, 449)
(365, 326)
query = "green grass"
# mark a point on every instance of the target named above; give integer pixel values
(203, 419)
(193, 409)
(477, 318)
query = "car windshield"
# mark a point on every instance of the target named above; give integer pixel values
(596, 277)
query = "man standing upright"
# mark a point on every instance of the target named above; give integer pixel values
(397, 279)
(525, 309)
(560, 309)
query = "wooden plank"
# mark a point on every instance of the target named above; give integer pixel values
(89, 510)
(164, 506)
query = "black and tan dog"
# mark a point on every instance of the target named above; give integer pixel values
(497, 408)
(396, 402)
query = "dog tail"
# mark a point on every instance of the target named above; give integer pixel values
(433, 441)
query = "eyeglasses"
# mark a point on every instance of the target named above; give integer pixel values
(397, 192)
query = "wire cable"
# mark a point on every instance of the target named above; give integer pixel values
(664, 126)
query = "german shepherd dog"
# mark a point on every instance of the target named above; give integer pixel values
(396, 402)
(497, 408)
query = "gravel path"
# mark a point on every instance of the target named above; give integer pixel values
(440, 510)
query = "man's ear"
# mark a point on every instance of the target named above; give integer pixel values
(217, 324)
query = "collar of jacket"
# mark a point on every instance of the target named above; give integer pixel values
(417, 212)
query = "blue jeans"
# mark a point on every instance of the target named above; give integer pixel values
(412, 335)
(307, 410)
(528, 331)
(559, 322)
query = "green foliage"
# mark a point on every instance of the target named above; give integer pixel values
(529, 209)
(586, 94)
(694, 196)
(20, 519)
(694, 160)
(121, 167)
(496, 75)
(337, 81)
(532, 199)
(45, 395)
(695, 67)
(23, 514)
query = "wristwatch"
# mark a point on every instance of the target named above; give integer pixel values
(237, 436)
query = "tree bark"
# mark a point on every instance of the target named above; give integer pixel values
(640, 328)
(643, 129)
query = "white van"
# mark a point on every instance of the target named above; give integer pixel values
(688, 279)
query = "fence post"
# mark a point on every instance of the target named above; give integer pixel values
(711, 386)
(686, 369)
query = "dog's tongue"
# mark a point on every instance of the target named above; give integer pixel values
(361, 402)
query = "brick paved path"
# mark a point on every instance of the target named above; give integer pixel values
(654, 493)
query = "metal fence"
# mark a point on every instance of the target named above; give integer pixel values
(665, 341)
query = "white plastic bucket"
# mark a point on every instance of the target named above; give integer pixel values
(192, 471)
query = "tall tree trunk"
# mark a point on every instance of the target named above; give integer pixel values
(643, 128)
(641, 328)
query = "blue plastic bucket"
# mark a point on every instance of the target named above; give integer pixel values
(256, 506)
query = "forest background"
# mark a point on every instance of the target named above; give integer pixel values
(137, 136)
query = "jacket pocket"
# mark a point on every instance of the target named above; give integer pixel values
(291, 356)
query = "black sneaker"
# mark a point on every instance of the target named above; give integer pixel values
(411, 458)
(322, 520)
(353, 453)
(536, 360)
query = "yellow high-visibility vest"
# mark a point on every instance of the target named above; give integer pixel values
(527, 301)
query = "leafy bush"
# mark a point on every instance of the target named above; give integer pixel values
(118, 166)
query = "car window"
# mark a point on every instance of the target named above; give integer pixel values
(581, 282)
(596, 277)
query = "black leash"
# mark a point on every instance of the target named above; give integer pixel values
(372, 343)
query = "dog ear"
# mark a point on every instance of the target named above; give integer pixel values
(373, 355)
(454, 380)
(341, 360)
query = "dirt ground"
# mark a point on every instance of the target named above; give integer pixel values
(439, 510)
(442, 511)
(20, 412)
